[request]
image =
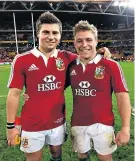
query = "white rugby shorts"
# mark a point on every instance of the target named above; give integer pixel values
(101, 135)
(35, 141)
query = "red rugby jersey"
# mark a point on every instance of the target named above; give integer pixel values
(92, 88)
(44, 81)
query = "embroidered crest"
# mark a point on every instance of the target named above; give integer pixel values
(99, 72)
(60, 64)
(25, 142)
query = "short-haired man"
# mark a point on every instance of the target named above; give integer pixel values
(93, 80)
(42, 72)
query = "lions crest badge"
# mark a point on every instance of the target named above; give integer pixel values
(60, 64)
(24, 142)
(99, 72)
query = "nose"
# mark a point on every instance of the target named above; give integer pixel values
(50, 36)
(84, 43)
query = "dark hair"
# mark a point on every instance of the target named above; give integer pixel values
(48, 18)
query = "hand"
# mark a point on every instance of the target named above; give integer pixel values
(25, 97)
(11, 136)
(122, 137)
(105, 51)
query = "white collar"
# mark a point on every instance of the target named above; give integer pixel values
(95, 60)
(37, 53)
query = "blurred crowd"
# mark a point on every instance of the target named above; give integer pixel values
(4, 56)
(120, 43)
(118, 54)
(66, 25)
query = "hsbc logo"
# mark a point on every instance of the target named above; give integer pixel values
(84, 84)
(50, 84)
(84, 90)
(49, 78)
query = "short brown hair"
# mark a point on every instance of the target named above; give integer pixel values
(48, 18)
(85, 26)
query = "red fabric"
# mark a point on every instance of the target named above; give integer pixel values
(45, 108)
(18, 120)
(93, 101)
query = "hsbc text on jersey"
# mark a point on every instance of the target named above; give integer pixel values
(84, 91)
(49, 84)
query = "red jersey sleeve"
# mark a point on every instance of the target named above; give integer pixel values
(16, 78)
(118, 79)
(71, 56)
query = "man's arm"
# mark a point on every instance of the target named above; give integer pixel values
(105, 52)
(124, 108)
(12, 105)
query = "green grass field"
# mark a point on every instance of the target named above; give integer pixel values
(124, 153)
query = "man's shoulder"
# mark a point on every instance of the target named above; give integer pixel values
(24, 55)
(66, 51)
(68, 54)
(109, 62)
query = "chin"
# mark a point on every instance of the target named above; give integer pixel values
(50, 49)
(86, 56)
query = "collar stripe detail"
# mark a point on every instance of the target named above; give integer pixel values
(37, 53)
(95, 60)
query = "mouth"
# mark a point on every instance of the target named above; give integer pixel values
(84, 50)
(50, 42)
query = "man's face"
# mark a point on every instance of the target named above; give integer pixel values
(49, 36)
(85, 44)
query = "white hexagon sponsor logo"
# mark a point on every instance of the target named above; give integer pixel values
(49, 78)
(84, 84)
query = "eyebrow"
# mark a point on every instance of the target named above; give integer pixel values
(50, 31)
(84, 38)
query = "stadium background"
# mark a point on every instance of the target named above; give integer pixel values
(115, 23)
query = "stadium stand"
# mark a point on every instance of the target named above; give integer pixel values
(17, 32)
(115, 24)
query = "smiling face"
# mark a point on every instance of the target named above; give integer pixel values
(85, 43)
(49, 37)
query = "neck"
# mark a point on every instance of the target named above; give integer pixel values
(85, 61)
(47, 53)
